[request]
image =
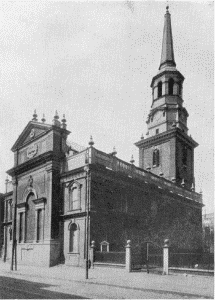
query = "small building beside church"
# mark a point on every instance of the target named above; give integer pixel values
(64, 196)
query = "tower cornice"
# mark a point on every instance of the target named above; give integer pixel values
(167, 71)
(160, 138)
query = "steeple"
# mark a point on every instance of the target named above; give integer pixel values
(167, 150)
(167, 54)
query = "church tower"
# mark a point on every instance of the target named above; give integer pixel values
(168, 150)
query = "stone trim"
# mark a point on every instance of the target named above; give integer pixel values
(39, 203)
(21, 207)
(27, 191)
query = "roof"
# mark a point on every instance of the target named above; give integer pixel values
(75, 147)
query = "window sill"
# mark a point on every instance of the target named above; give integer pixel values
(73, 253)
(71, 210)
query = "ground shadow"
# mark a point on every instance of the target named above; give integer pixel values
(13, 288)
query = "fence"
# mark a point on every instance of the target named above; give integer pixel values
(191, 260)
(110, 257)
(148, 255)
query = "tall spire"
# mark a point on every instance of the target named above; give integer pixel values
(167, 54)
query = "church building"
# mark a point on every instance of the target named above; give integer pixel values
(64, 196)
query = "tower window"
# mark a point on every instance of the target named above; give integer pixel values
(157, 131)
(171, 84)
(179, 89)
(184, 155)
(156, 158)
(164, 113)
(160, 89)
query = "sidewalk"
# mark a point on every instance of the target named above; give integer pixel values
(106, 282)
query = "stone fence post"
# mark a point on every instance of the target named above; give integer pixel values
(166, 257)
(128, 256)
(92, 253)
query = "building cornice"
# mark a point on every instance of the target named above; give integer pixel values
(34, 162)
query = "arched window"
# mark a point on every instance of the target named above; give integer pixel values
(156, 158)
(73, 238)
(74, 190)
(30, 219)
(170, 85)
(160, 89)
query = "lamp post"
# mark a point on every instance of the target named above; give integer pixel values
(87, 170)
(87, 203)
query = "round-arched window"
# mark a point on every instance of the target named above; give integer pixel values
(160, 89)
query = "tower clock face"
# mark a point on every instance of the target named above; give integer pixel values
(183, 118)
(157, 116)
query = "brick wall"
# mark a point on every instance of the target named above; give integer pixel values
(151, 214)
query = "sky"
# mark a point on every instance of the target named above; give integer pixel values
(94, 61)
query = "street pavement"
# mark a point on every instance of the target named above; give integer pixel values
(66, 282)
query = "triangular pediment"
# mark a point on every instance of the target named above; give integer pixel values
(31, 132)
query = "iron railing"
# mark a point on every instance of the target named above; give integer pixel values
(110, 257)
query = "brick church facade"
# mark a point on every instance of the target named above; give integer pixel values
(63, 196)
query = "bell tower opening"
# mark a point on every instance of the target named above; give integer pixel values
(159, 89)
(170, 86)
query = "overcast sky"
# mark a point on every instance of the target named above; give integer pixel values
(94, 61)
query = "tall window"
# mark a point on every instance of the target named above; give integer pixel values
(73, 238)
(10, 210)
(156, 158)
(30, 224)
(21, 222)
(74, 201)
(39, 225)
(171, 84)
(159, 89)
(11, 233)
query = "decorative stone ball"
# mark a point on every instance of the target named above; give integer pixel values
(128, 242)
(166, 243)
